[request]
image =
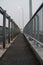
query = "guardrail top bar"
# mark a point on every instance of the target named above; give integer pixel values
(1, 10)
(7, 16)
(41, 6)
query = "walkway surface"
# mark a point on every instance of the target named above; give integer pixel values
(19, 53)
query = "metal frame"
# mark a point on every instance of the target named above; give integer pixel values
(5, 15)
(29, 25)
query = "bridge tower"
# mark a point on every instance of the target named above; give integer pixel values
(30, 8)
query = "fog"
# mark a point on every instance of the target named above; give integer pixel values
(19, 10)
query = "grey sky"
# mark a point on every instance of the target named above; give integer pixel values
(19, 9)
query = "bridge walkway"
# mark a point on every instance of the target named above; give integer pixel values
(19, 53)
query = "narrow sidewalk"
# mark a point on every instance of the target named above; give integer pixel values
(19, 53)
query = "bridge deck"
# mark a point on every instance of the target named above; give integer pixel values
(19, 53)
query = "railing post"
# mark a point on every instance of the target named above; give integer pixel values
(31, 27)
(12, 29)
(9, 30)
(4, 23)
(35, 27)
(38, 27)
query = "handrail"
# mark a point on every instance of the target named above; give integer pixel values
(33, 27)
(41, 6)
(12, 30)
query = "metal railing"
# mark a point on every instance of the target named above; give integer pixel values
(7, 33)
(34, 28)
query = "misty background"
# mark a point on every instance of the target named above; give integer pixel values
(19, 10)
